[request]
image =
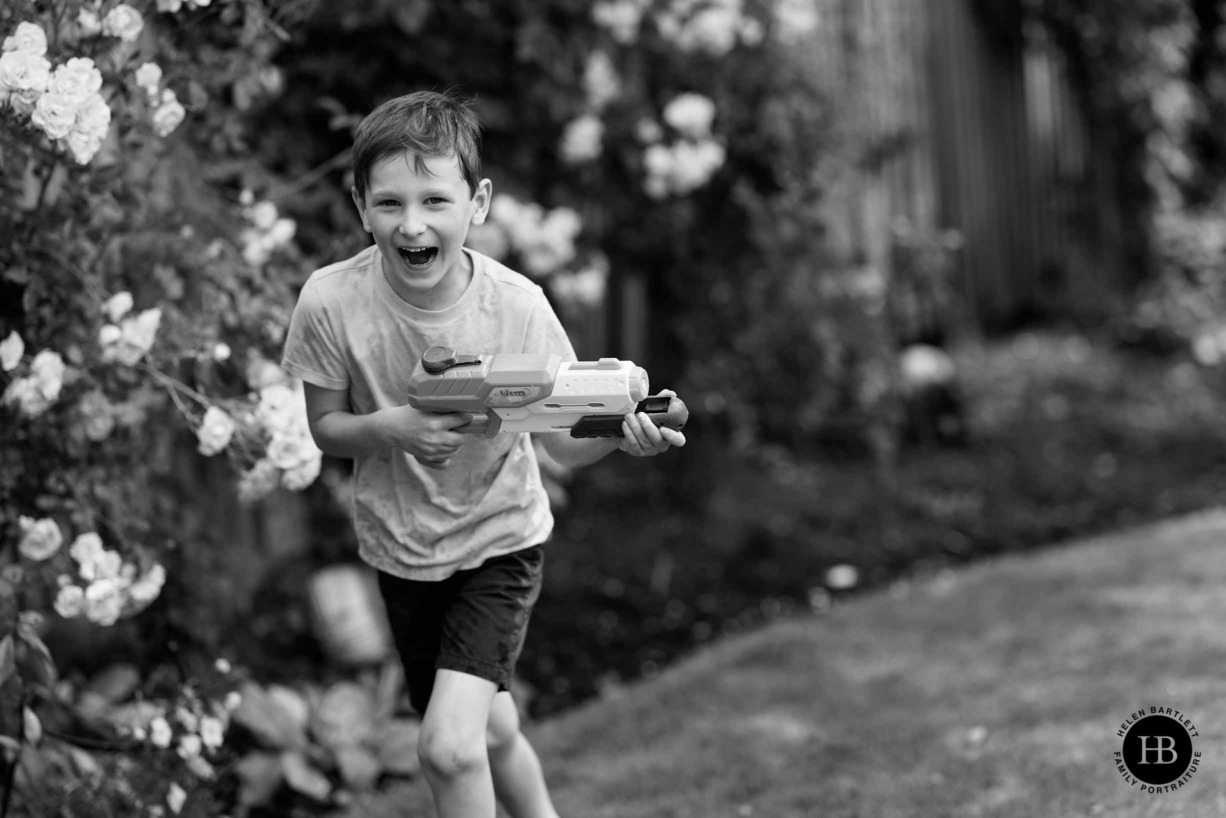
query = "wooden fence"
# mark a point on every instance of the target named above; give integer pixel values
(966, 121)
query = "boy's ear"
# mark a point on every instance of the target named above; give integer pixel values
(482, 198)
(360, 204)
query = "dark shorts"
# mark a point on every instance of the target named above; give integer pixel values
(474, 621)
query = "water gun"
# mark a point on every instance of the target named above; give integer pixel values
(538, 392)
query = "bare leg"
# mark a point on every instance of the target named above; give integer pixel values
(518, 779)
(452, 745)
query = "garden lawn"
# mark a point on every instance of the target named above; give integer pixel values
(994, 690)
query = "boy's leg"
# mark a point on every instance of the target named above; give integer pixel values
(519, 781)
(452, 745)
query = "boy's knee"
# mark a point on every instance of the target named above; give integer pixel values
(503, 729)
(446, 756)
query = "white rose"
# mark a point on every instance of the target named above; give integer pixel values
(148, 587)
(55, 114)
(160, 733)
(76, 79)
(581, 140)
(258, 481)
(47, 370)
(109, 335)
(200, 4)
(190, 746)
(27, 39)
(97, 415)
(287, 451)
(282, 231)
(103, 602)
(275, 410)
(263, 214)
(118, 305)
(149, 77)
(212, 732)
(86, 548)
(83, 146)
(600, 80)
(691, 115)
(89, 23)
(109, 565)
(139, 333)
(123, 22)
(169, 114)
(215, 432)
(40, 539)
(24, 73)
(93, 116)
(176, 796)
(70, 601)
(12, 349)
(303, 475)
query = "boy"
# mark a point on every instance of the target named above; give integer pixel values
(455, 524)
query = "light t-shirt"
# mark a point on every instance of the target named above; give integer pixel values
(351, 331)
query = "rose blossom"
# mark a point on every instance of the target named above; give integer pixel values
(149, 77)
(123, 22)
(169, 114)
(215, 432)
(55, 114)
(76, 79)
(11, 350)
(70, 601)
(40, 539)
(29, 38)
(104, 602)
(89, 23)
(24, 74)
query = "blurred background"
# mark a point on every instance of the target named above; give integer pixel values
(938, 281)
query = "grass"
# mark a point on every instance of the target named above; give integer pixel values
(995, 689)
(1068, 437)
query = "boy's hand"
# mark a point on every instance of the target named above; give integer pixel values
(642, 438)
(431, 437)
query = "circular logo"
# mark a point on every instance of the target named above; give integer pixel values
(1157, 753)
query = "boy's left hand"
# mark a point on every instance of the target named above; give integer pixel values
(642, 438)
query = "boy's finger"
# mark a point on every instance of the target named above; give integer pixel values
(674, 437)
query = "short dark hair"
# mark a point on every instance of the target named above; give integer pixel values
(426, 123)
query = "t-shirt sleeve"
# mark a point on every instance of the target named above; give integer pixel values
(544, 331)
(312, 349)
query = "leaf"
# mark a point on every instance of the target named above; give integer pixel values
(270, 718)
(345, 716)
(8, 658)
(359, 767)
(31, 727)
(33, 657)
(260, 776)
(396, 746)
(303, 777)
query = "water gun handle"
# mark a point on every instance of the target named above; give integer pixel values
(662, 410)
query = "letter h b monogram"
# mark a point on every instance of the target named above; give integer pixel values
(1165, 745)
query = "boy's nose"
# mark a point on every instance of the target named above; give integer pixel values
(412, 225)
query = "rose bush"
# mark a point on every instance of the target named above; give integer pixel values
(142, 300)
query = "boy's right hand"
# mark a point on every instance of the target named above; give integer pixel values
(431, 437)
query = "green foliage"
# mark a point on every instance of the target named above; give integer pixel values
(323, 744)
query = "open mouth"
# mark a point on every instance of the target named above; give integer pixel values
(418, 256)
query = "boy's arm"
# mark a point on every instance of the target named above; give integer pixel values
(640, 438)
(429, 437)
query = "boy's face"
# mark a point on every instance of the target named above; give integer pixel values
(419, 220)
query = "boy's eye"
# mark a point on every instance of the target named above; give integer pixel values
(435, 200)
(387, 203)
